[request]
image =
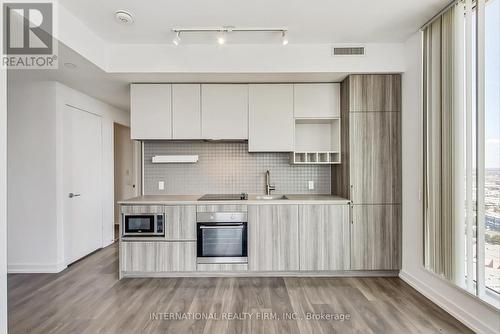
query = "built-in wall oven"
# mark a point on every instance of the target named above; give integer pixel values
(222, 237)
(143, 225)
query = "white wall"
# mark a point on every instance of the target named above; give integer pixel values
(3, 201)
(35, 212)
(294, 58)
(465, 307)
(3, 193)
(31, 176)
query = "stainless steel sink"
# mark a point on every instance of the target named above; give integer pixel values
(271, 197)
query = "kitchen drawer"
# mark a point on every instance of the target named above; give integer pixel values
(132, 209)
(157, 256)
(222, 267)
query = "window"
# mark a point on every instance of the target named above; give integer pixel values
(491, 164)
(462, 147)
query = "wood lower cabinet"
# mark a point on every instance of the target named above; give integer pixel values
(281, 238)
(155, 256)
(273, 241)
(375, 237)
(324, 237)
(180, 222)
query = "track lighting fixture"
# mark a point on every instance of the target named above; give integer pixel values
(221, 32)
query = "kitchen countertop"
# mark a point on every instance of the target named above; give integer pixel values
(252, 199)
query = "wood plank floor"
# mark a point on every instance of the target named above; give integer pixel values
(88, 298)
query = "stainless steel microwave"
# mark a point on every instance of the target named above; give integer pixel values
(143, 225)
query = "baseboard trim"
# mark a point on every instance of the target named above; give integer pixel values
(35, 268)
(457, 312)
(107, 243)
(341, 273)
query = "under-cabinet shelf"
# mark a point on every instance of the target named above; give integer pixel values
(315, 158)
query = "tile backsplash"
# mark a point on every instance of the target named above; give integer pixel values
(228, 167)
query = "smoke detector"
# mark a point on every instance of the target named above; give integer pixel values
(123, 17)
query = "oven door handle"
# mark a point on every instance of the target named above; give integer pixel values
(220, 227)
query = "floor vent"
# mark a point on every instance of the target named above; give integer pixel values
(348, 51)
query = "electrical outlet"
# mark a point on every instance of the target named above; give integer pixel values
(161, 185)
(311, 185)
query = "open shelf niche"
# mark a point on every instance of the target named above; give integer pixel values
(317, 141)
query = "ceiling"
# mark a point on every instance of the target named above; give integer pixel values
(86, 77)
(313, 21)
(113, 88)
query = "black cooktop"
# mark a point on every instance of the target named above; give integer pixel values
(224, 197)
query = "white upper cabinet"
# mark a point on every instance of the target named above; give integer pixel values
(151, 111)
(224, 110)
(270, 121)
(262, 113)
(317, 100)
(186, 111)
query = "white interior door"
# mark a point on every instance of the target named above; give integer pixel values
(82, 174)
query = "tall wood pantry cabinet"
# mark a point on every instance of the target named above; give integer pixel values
(370, 173)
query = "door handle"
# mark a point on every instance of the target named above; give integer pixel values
(222, 227)
(71, 195)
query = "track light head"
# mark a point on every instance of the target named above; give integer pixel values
(221, 39)
(284, 39)
(177, 38)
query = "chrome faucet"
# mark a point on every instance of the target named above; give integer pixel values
(269, 187)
